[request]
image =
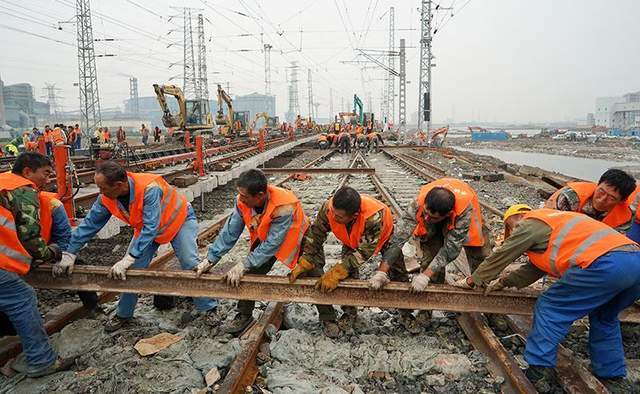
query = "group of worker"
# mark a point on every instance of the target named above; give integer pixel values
(50, 137)
(346, 137)
(578, 238)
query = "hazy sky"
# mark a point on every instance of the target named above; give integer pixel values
(497, 60)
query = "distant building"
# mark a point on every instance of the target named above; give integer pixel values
(255, 103)
(618, 112)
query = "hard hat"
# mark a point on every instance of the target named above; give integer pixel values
(514, 210)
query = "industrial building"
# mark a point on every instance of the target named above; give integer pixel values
(18, 107)
(620, 112)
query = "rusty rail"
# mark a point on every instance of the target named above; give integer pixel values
(319, 170)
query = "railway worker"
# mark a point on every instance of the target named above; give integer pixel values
(344, 141)
(78, 133)
(47, 140)
(276, 224)
(121, 136)
(156, 134)
(57, 136)
(22, 246)
(158, 213)
(605, 201)
(364, 225)
(374, 139)
(361, 142)
(72, 136)
(634, 201)
(444, 218)
(599, 276)
(323, 141)
(144, 131)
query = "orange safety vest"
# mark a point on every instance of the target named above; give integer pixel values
(13, 256)
(106, 135)
(56, 136)
(47, 136)
(48, 201)
(617, 216)
(259, 225)
(369, 206)
(575, 239)
(322, 138)
(633, 201)
(173, 209)
(372, 136)
(465, 196)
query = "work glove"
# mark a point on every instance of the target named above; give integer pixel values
(303, 266)
(462, 283)
(204, 266)
(232, 277)
(55, 251)
(497, 284)
(419, 283)
(119, 269)
(65, 266)
(330, 279)
(378, 280)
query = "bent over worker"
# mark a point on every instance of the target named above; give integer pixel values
(444, 218)
(599, 276)
(605, 201)
(276, 224)
(364, 225)
(158, 213)
(22, 247)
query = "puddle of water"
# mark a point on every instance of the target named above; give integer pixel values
(578, 167)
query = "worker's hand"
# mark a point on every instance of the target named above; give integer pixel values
(233, 276)
(65, 266)
(419, 283)
(55, 251)
(301, 267)
(496, 285)
(378, 280)
(329, 281)
(204, 266)
(464, 283)
(119, 269)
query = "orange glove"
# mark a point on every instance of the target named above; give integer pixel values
(329, 281)
(303, 266)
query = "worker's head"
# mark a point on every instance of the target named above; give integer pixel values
(252, 188)
(77, 125)
(614, 187)
(438, 205)
(346, 204)
(46, 127)
(513, 216)
(111, 179)
(35, 167)
(34, 129)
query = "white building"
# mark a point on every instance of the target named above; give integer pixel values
(618, 112)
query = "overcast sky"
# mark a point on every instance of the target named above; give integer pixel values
(496, 60)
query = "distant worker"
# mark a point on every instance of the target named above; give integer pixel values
(323, 141)
(361, 143)
(605, 201)
(98, 136)
(364, 225)
(57, 135)
(156, 134)
(72, 136)
(374, 139)
(21, 246)
(144, 131)
(599, 276)
(78, 133)
(121, 136)
(47, 140)
(106, 135)
(158, 213)
(344, 142)
(276, 224)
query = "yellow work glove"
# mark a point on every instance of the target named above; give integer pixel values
(301, 267)
(329, 281)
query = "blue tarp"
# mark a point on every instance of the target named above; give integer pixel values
(499, 135)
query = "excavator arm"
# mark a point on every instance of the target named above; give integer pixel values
(220, 118)
(168, 119)
(262, 115)
(357, 104)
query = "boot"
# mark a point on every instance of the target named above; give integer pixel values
(618, 385)
(240, 323)
(543, 378)
(116, 323)
(331, 329)
(56, 366)
(191, 315)
(409, 322)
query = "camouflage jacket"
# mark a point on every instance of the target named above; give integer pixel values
(453, 239)
(23, 202)
(351, 258)
(568, 200)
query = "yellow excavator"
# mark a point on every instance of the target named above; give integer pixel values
(225, 121)
(193, 115)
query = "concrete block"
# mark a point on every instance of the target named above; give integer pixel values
(188, 194)
(196, 190)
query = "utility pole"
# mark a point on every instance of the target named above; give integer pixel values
(52, 100)
(402, 92)
(391, 91)
(190, 85)
(294, 105)
(267, 69)
(203, 82)
(331, 113)
(424, 88)
(90, 117)
(134, 98)
(310, 93)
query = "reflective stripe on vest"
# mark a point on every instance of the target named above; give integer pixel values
(576, 240)
(465, 196)
(173, 207)
(13, 256)
(56, 136)
(619, 215)
(369, 206)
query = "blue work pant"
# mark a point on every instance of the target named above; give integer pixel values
(634, 231)
(18, 301)
(186, 248)
(609, 285)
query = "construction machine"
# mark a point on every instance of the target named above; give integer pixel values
(438, 136)
(358, 108)
(192, 116)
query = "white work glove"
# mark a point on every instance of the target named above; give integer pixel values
(462, 283)
(65, 265)
(419, 283)
(119, 269)
(204, 266)
(497, 284)
(378, 280)
(232, 277)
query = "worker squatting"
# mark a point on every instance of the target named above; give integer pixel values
(578, 238)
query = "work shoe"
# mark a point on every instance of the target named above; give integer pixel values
(331, 329)
(191, 315)
(239, 323)
(617, 385)
(57, 366)
(543, 378)
(116, 323)
(410, 323)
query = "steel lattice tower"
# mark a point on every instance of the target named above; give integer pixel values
(294, 105)
(402, 92)
(424, 93)
(134, 98)
(90, 117)
(190, 85)
(267, 69)
(391, 91)
(52, 100)
(203, 83)
(310, 93)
